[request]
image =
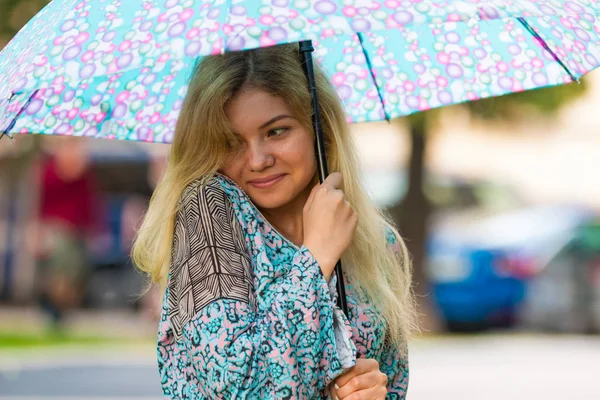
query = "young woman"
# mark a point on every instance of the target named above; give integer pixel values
(245, 241)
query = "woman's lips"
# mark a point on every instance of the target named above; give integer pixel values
(263, 184)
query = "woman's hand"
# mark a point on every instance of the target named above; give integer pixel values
(329, 223)
(364, 381)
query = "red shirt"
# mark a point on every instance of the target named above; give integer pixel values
(72, 203)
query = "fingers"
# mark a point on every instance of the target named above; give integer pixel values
(369, 380)
(333, 391)
(374, 393)
(331, 183)
(363, 365)
(311, 197)
(334, 180)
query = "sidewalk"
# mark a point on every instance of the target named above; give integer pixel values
(109, 324)
(91, 337)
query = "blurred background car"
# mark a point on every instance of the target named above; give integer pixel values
(481, 268)
(486, 245)
(565, 296)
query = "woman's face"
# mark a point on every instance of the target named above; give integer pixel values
(275, 162)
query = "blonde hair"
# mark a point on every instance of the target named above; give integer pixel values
(203, 140)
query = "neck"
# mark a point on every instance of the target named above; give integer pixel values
(288, 219)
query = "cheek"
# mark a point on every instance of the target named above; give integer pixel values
(233, 167)
(300, 152)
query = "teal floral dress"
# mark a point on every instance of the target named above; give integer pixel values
(249, 315)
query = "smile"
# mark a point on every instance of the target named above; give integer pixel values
(267, 182)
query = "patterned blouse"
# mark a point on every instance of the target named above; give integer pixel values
(248, 314)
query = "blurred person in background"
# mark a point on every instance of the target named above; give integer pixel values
(249, 311)
(68, 213)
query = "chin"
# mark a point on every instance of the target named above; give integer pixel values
(278, 196)
(269, 201)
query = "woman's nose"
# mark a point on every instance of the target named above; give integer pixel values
(260, 157)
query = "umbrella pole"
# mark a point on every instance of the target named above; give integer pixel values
(306, 49)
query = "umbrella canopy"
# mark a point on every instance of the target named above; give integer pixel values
(119, 70)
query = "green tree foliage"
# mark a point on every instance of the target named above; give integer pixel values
(14, 14)
(518, 105)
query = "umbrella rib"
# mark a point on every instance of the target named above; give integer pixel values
(547, 47)
(12, 123)
(366, 54)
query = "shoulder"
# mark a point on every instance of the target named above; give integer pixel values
(217, 185)
(207, 196)
(201, 187)
(207, 239)
(206, 217)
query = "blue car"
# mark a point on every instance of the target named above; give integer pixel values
(485, 244)
(480, 267)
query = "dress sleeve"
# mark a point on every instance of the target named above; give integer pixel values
(395, 366)
(394, 361)
(239, 348)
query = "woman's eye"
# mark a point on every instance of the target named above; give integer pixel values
(277, 131)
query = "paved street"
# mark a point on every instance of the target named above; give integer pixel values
(464, 368)
(86, 373)
(505, 367)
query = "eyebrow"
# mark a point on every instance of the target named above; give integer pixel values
(275, 119)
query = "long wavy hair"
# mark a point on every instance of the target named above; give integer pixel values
(204, 139)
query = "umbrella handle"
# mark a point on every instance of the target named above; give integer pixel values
(306, 49)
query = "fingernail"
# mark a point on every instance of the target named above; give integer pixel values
(335, 385)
